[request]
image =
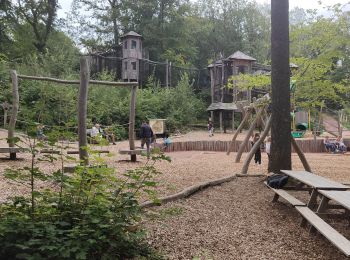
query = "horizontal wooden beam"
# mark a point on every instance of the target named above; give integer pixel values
(77, 82)
(92, 151)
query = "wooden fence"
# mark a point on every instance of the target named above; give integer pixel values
(307, 146)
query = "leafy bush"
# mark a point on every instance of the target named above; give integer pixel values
(90, 214)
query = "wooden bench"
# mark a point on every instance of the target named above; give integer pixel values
(50, 151)
(92, 151)
(284, 194)
(12, 151)
(325, 229)
(132, 152)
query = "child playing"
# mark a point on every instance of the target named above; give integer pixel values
(257, 156)
(210, 128)
(167, 141)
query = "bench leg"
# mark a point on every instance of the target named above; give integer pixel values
(275, 198)
(13, 156)
(347, 216)
(321, 209)
(313, 199)
(303, 222)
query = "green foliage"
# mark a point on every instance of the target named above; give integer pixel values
(90, 214)
(248, 81)
(316, 47)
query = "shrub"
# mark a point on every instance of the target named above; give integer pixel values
(90, 214)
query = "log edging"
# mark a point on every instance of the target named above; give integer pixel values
(187, 192)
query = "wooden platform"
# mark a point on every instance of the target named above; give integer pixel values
(131, 152)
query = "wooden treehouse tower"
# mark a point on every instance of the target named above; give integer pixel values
(132, 54)
(225, 102)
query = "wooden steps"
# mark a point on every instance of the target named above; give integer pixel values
(284, 194)
(325, 229)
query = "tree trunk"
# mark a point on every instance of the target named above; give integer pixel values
(256, 146)
(13, 118)
(132, 122)
(301, 155)
(82, 109)
(280, 80)
(240, 127)
(250, 131)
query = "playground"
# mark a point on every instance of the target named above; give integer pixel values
(203, 225)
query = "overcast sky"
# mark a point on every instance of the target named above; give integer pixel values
(306, 4)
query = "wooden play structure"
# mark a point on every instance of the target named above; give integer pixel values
(82, 110)
(262, 116)
(225, 102)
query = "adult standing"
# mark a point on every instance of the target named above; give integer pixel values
(146, 135)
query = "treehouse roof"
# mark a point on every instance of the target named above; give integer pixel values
(131, 33)
(238, 55)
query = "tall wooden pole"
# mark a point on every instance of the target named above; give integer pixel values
(212, 90)
(13, 118)
(167, 74)
(82, 109)
(240, 127)
(340, 130)
(5, 118)
(132, 122)
(280, 81)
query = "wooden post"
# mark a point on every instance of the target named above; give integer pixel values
(170, 74)
(250, 131)
(301, 155)
(340, 130)
(309, 119)
(212, 90)
(240, 127)
(82, 109)
(5, 118)
(13, 119)
(221, 128)
(132, 122)
(167, 74)
(233, 121)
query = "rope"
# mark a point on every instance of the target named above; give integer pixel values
(69, 127)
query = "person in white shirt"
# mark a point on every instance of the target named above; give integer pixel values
(95, 131)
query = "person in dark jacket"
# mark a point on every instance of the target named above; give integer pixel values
(146, 135)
